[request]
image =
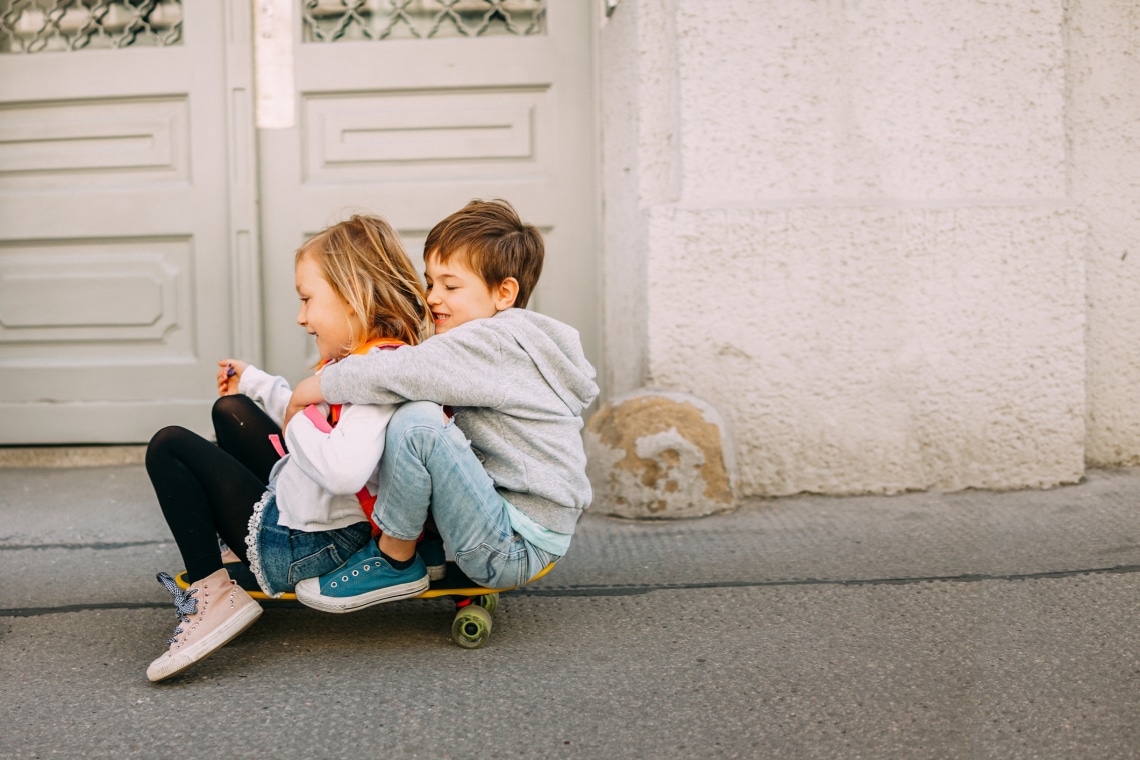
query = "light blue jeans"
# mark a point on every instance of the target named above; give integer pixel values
(429, 464)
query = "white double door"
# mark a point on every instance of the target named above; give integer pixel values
(148, 226)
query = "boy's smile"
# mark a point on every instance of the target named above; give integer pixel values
(456, 294)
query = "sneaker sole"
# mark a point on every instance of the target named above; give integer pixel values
(168, 667)
(318, 601)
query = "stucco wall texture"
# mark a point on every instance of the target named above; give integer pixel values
(1103, 70)
(884, 239)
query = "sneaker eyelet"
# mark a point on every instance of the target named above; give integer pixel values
(344, 578)
(355, 573)
(332, 585)
(367, 568)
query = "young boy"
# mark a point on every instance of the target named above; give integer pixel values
(491, 439)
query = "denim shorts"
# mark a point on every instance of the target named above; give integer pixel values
(280, 557)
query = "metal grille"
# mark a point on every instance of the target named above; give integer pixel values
(332, 20)
(35, 26)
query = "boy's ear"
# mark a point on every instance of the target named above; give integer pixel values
(505, 294)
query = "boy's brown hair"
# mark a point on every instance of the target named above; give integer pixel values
(495, 243)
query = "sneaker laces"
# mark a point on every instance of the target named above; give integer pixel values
(185, 604)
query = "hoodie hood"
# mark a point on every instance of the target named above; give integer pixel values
(556, 350)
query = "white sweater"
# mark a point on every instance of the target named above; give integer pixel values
(317, 481)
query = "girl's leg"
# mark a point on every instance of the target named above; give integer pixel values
(204, 492)
(243, 429)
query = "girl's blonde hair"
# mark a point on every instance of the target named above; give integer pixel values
(364, 262)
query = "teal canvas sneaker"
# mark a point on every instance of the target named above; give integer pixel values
(364, 580)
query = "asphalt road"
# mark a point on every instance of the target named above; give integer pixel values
(969, 625)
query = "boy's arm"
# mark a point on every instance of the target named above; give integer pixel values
(460, 368)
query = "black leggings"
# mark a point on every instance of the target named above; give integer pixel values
(207, 491)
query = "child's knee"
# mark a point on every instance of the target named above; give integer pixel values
(165, 440)
(228, 407)
(417, 414)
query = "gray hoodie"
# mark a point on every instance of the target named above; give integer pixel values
(518, 382)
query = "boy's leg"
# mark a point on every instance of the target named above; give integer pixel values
(368, 577)
(427, 462)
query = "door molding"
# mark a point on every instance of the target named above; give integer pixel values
(247, 334)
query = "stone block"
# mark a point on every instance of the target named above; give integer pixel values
(659, 454)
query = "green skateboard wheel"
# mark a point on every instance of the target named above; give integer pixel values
(489, 602)
(472, 627)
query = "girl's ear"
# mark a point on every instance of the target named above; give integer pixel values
(505, 294)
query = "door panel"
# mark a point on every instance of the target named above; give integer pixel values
(115, 206)
(413, 128)
(130, 254)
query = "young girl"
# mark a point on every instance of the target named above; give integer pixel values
(297, 515)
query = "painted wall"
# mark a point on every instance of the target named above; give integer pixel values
(863, 231)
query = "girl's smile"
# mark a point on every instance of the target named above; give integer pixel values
(324, 314)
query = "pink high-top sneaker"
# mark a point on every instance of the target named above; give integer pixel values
(212, 612)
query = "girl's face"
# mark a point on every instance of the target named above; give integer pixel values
(324, 314)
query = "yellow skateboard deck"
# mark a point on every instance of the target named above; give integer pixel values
(474, 604)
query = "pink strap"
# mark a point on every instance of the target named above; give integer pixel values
(276, 441)
(313, 414)
(317, 418)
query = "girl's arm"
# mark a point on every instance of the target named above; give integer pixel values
(307, 392)
(342, 459)
(270, 391)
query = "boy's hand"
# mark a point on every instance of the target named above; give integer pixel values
(229, 374)
(308, 391)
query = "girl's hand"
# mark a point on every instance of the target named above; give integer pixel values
(308, 391)
(229, 374)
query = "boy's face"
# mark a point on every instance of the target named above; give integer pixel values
(457, 295)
